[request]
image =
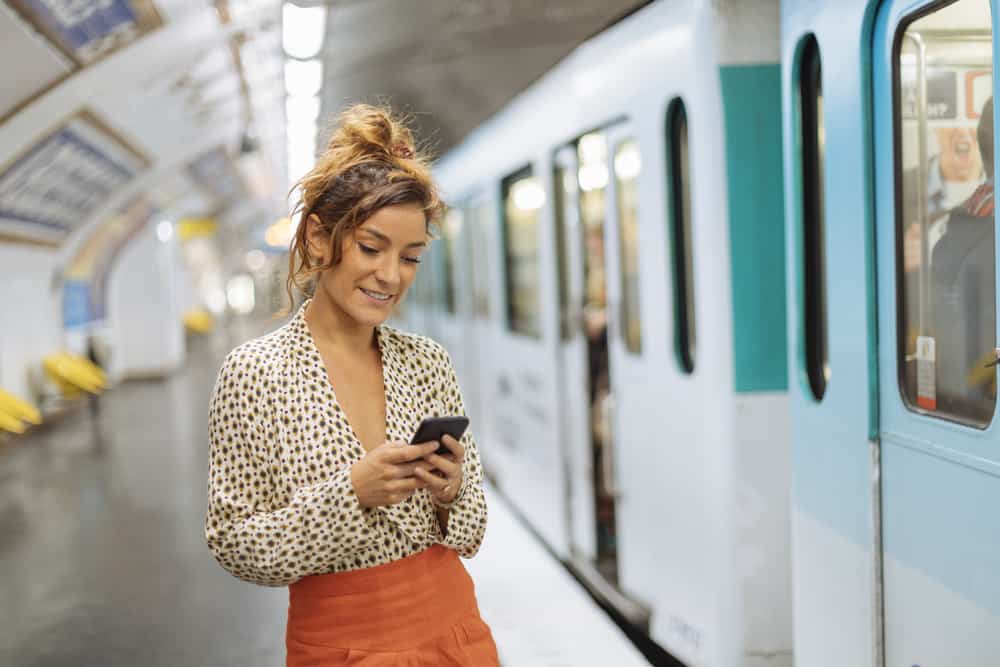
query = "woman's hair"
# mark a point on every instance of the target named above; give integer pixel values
(369, 163)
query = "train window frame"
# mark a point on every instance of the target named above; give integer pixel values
(535, 332)
(559, 209)
(810, 173)
(481, 216)
(678, 155)
(449, 260)
(626, 314)
(901, 315)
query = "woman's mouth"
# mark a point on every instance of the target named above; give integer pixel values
(379, 297)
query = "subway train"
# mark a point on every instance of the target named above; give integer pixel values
(720, 288)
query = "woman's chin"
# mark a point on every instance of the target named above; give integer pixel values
(372, 317)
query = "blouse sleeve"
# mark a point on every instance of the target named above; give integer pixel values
(250, 537)
(467, 515)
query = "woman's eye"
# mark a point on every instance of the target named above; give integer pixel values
(412, 260)
(368, 250)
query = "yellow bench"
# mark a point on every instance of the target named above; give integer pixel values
(74, 374)
(198, 321)
(14, 413)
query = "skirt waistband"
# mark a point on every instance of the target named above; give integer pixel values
(370, 579)
(389, 607)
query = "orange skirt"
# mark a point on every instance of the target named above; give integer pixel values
(420, 611)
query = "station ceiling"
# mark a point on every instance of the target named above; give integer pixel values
(185, 107)
(451, 63)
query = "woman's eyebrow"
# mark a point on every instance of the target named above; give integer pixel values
(382, 237)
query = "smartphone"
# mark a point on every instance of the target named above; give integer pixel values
(433, 428)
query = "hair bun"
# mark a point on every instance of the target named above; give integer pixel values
(369, 131)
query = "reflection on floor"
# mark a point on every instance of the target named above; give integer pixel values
(103, 562)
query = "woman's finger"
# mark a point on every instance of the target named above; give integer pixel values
(403, 470)
(456, 447)
(433, 481)
(444, 464)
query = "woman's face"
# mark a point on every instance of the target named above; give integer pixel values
(960, 160)
(378, 263)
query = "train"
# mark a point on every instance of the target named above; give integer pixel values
(720, 291)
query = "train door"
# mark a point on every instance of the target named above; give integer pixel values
(937, 349)
(448, 319)
(477, 247)
(589, 298)
(626, 409)
(574, 360)
(594, 205)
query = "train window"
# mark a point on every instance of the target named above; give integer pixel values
(679, 171)
(592, 179)
(523, 198)
(814, 312)
(431, 294)
(945, 246)
(452, 227)
(479, 217)
(564, 187)
(627, 166)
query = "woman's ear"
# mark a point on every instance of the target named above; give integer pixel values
(317, 240)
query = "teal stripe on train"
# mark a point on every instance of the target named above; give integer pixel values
(751, 99)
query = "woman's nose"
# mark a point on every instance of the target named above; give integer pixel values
(387, 270)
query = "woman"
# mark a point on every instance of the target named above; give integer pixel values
(312, 483)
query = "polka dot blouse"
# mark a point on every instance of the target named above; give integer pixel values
(280, 501)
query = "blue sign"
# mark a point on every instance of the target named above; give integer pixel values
(76, 304)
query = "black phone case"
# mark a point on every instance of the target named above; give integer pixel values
(433, 428)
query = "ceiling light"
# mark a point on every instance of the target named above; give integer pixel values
(527, 194)
(592, 148)
(240, 294)
(628, 163)
(303, 78)
(302, 30)
(593, 176)
(165, 231)
(302, 109)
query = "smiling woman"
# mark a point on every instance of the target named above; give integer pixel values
(312, 482)
(369, 164)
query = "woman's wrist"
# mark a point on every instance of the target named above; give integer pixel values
(451, 503)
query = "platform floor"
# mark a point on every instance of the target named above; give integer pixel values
(103, 562)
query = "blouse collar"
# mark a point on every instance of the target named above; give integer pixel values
(305, 351)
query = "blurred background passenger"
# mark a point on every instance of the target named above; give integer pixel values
(963, 300)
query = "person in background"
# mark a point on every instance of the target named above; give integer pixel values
(963, 293)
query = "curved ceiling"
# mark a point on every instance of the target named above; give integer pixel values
(184, 102)
(451, 63)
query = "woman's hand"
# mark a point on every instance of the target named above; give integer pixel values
(385, 476)
(444, 484)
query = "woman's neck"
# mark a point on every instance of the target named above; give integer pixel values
(331, 327)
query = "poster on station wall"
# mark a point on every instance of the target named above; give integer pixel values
(59, 182)
(86, 31)
(85, 277)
